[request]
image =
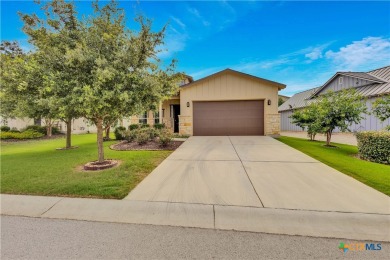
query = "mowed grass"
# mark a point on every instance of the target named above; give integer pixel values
(36, 167)
(343, 159)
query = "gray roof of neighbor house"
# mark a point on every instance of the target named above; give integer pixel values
(380, 86)
(298, 100)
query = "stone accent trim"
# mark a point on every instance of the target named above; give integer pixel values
(185, 125)
(272, 124)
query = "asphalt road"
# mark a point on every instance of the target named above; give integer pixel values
(37, 238)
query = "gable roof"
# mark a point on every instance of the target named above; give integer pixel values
(358, 75)
(279, 85)
(380, 86)
(298, 100)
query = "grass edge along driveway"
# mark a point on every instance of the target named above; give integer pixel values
(343, 158)
(36, 168)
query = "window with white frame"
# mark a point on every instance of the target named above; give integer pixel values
(340, 80)
(143, 118)
(156, 116)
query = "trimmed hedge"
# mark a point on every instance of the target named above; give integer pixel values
(28, 134)
(5, 128)
(133, 126)
(159, 126)
(374, 146)
(41, 129)
(119, 133)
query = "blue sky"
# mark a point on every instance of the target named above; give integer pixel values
(301, 44)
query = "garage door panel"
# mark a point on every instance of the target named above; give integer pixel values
(229, 117)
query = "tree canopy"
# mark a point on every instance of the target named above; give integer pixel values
(330, 111)
(381, 108)
(93, 67)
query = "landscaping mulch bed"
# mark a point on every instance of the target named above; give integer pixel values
(149, 146)
(97, 166)
(56, 136)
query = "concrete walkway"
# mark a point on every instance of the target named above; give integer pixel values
(252, 184)
(340, 138)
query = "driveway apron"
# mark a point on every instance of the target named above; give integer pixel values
(255, 171)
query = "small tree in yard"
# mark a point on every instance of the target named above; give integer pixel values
(339, 110)
(330, 111)
(381, 109)
(306, 119)
(118, 69)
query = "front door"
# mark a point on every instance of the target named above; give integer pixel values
(176, 113)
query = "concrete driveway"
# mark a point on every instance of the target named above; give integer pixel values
(255, 171)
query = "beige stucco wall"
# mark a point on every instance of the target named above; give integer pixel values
(18, 123)
(230, 86)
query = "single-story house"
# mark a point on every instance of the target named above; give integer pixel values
(371, 85)
(225, 103)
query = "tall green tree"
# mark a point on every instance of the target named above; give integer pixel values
(119, 73)
(23, 92)
(53, 36)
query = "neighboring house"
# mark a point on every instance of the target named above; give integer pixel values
(225, 103)
(371, 85)
(282, 98)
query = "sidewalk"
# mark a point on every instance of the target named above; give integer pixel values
(341, 138)
(359, 226)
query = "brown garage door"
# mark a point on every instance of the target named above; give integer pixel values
(229, 117)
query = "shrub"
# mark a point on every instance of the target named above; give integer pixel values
(36, 128)
(153, 133)
(5, 128)
(14, 130)
(374, 146)
(133, 126)
(28, 134)
(145, 125)
(55, 130)
(159, 126)
(119, 133)
(165, 138)
(142, 137)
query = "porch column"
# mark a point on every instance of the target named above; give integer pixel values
(160, 114)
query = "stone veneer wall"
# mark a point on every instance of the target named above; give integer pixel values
(185, 125)
(272, 124)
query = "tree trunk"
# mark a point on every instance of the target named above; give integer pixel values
(108, 132)
(49, 125)
(69, 133)
(328, 137)
(99, 126)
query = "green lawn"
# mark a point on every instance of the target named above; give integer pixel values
(342, 158)
(35, 167)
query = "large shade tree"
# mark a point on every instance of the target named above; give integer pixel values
(53, 36)
(23, 91)
(119, 73)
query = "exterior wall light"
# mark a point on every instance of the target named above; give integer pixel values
(269, 102)
(188, 104)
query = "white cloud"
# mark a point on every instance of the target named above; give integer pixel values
(194, 11)
(368, 52)
(197, 14)
(179, 22)
(174, 42)
(315, 54)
